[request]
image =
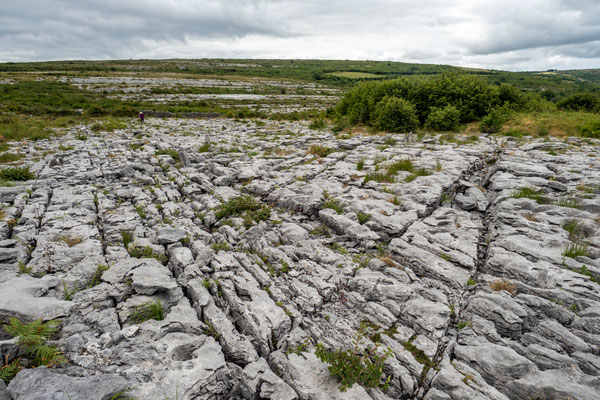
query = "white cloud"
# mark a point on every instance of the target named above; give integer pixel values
(511, 34)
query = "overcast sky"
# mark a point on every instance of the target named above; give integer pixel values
(500, 34)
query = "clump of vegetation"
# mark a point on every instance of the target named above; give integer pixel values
(32, 342)
(220, 246)
(244, 206)
(353, 366)
(360, 165)
(492, 123)
(317, 124)
(147, 311)
(334, 204)
(10, 157)
(168, 152)
(146, 252)
(379, 177)
(394, 114)
(109, 125)
(580, 102)
(416, 174)
(363, 218)
(69, 240)
(443, 119)
(320, 151)
(205, 148)
(503, 284)
(16, 174)
(529, 193)
(95, 280)
(574, 228)
(571, 203)
(574, 250)
(590, 130)
(127, 238)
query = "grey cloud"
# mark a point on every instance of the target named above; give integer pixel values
(511, 34)
(537, 24)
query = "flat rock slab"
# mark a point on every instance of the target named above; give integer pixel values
(43, 384)
(22, 297)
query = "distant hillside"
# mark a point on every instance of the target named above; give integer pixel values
(339, 73)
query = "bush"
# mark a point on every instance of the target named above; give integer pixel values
(591, 130)
(395, 115)
(352, 367)
(317, 124)
(443, 119)
(492, 123)
(580, 102)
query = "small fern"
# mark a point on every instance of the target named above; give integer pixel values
(31, 341)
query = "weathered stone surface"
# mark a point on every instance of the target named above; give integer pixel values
(451, 269)
(43, 384)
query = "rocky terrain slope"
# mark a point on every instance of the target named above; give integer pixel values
(478, 290)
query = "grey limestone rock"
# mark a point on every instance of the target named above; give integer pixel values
(44, 384)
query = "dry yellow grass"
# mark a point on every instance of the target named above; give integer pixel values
(503, 284)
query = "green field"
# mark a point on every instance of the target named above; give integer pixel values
(356, 75)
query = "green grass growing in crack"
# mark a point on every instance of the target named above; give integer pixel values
(574, 228)
(16, 174)
(574, 250)
(141, 211)
(168, 152)
(334, 204)
(529, 193)
(363, 218)
(220, 246)
(417, 173)
(147, 252)
(10, 157)
(69, 292)
(147, 311)
(420, 356)
(127, 238)
(571, 203)
(96, 278)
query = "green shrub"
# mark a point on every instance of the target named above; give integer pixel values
(492, 123)
(394, 114)
(317, 124)
(16, 174)
(591, 130)
(443, 119)
(350, 366)
(580, 102)
(244, 206)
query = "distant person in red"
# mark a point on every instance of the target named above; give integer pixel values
(142, 117)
